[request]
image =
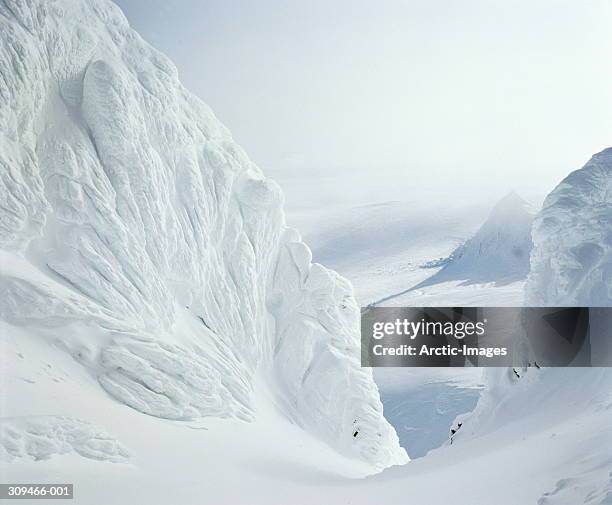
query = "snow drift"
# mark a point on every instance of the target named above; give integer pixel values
(134, 226)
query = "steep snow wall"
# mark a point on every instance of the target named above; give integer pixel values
(570, 266)
(571, 263)
(128, 212)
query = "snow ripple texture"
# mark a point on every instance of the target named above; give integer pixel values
(130, 208)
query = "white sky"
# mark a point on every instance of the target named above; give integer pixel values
(490, 95)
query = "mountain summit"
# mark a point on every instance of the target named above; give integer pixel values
(498, 252)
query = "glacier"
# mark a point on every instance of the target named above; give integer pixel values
(137, 237)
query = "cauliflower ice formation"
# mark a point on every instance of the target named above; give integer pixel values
(126, 207)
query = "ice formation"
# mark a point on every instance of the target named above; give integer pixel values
(128, 212)
(45, 436)
(572, 255)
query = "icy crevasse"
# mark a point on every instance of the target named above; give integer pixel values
(126, 208)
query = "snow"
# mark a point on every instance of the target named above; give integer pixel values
(44, 436)
(166, 338)
(498, 252)
(381, 246)
(547, 430)
(540, 439)
(572, 256)
(134, 226)
(422, 404)
(494, 261)
(487, 268)
(169, 461)
(570, 405)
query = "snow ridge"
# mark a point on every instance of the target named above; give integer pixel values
(570, 265)
(572, 255)
(127, 206)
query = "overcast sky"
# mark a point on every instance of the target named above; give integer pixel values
(512, 93)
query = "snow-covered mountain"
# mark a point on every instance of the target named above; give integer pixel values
(569, 262)
(138, 239)
(498, 252)
(145, 268)
(490, 265)
(572, 255)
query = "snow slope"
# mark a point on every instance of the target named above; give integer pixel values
(547, 429)
(572, 405)
(555, 443)
(139, 239)
(487, 269)
(381, 246)
(498, 252)
(493, 263)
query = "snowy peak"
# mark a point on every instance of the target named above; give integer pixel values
(139, 237)
(498, 252)
(509, 209)
(508, 216)
(504, 238)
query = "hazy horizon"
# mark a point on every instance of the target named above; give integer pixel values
(473, 97)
